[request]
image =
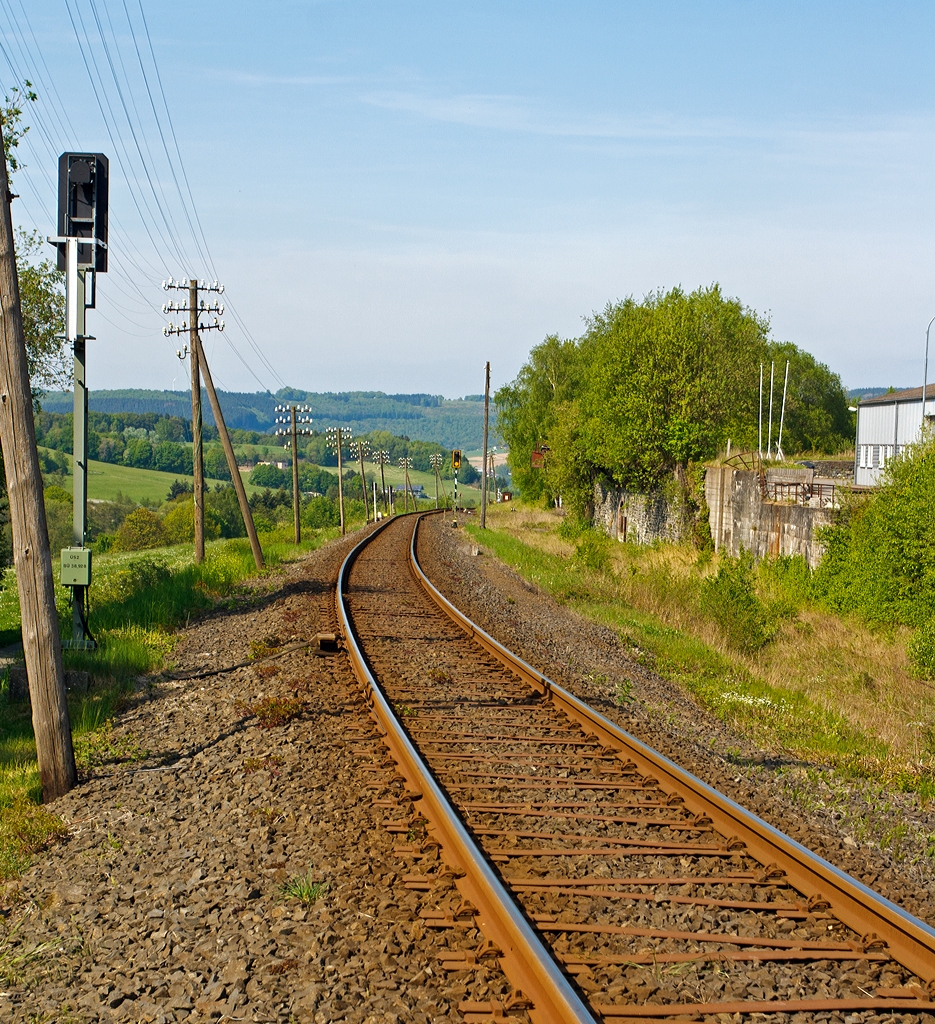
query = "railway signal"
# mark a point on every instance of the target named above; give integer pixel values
(336, 438)
(82, 254)
(296, 415)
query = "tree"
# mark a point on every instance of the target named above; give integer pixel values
(40, 282)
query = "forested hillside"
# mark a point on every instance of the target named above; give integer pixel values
(454, 423)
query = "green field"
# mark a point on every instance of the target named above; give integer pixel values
(105, 481)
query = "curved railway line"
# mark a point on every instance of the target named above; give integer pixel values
(609, 883)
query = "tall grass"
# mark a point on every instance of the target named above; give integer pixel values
(746, 641)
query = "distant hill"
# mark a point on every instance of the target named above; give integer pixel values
(861, 393)
(454, 423)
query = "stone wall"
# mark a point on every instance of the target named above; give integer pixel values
(639, 517)
(740, 517)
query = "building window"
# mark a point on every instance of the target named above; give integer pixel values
(876, 457)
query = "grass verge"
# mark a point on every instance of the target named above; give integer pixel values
(818, 688)
(137, 600)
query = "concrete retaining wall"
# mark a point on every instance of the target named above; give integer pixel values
(740, 517)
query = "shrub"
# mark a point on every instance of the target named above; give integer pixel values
(730, 600)
(922, 650)
(141, 529)
(593, 551)
(135, 577)
(179, 523)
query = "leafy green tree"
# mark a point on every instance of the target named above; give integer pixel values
(817, 418)
(266, 475)
(141, 529)
(40, 282)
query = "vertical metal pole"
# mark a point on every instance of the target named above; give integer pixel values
(198, 472)
(340, 484)
(436, 487)
(483, 497)
(76, 332)
(925, 374)
(296, 502)
(782, 415)
(769, 436)
(455, 501)
(759, 422)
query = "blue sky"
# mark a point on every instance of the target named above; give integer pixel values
(395, 192)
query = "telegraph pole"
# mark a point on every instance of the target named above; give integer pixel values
(386, 499)
(363, 448)
(483, 499)
(405, 465)
(336, 438)
(296, 416)
(198, 466)
(42, 646)
(436, 461)
(195, 308)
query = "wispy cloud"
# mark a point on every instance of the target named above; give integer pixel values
(511, 113)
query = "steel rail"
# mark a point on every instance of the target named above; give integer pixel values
(526, 960)
(911, 941)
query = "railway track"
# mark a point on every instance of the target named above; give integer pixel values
(609, 883)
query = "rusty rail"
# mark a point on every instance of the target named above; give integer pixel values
(525, 958)
(910, 941)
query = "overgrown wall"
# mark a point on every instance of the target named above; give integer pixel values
(740, 517)
(643, 518)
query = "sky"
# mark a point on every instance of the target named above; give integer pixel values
(394, 193)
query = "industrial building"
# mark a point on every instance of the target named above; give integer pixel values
(885, 425)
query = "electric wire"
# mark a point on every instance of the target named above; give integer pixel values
(60, 126)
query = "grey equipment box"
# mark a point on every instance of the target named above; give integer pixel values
(76, 567)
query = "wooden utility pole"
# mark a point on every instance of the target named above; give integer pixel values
(198, 470)
(386, 498)
(363, 483)
(335, 436)
(231, 458)
(42, 645)
(296, 498)
(483, 497)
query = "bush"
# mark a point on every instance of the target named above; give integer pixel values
(730, 600)
(136, 577)
(179, 523)
(922, 650)
(141, 529)
(593, 551)
(319, 512)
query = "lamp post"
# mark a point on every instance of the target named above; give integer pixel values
(925, 371)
